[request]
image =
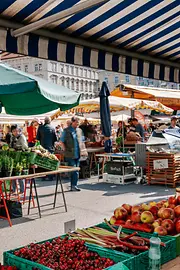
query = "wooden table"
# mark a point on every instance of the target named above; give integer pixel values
(34, 176)
(92, 151)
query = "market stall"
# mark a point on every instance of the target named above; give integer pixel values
(121, 243)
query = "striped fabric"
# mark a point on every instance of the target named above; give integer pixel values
(121, 36)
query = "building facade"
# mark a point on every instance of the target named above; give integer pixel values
(80, 79)
(83, 80)
(113, 79)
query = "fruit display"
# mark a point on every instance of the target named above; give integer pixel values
(64, 254)
(113, 239)
(162, 217)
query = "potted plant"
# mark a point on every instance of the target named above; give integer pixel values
(25, 165)
(18, 169)
(7, 166)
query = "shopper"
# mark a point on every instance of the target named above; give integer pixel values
(173, 122)
(18, 141)
(74, 148)
(138, 128)
(32, 132)
(46, 135)
(8, 135)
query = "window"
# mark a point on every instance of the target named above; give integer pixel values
(76, 71)
(68, 83)
(36, 67)
(72, 84)
(77, 84)
(54, 79)
(62, 68)
(86, 86)
(40, 67)
(26, 68)
(81, 72)
(116, 80)
(67, 69)
(71, 70)
(91, 87)
(85, 73)
(62, 81)
(81, 86)
(86, 96)
(54, 67)
(127, 78)
(89, 73)
(19, 67)
(93, 74)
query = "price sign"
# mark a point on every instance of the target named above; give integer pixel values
(160, 164)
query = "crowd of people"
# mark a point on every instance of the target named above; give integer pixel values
(72, 138)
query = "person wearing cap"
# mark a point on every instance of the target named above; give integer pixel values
(32, 132)
(173, 123)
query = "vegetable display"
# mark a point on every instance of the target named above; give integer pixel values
(64, 254)
(113, 239)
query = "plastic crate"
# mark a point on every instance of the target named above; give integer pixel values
(122, 261)
(177, 238)
(46, 163)
(168, 253)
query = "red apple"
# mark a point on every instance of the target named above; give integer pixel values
(127, 207)
(135, 208)
(157, 222)
(159, 205)
(147, 217)
(172, 206)
(177, 211)
(178, 226)
(154, 210)
(160, 212)
(120, 213)
(168, 224)
(172, 200)
(145, 207)
(161, 230)
(168, 213)
(129, 222)
(112, 220)
(136, 217)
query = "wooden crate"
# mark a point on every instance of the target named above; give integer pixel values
(169, 176)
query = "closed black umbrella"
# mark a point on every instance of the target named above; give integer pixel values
(105, 116)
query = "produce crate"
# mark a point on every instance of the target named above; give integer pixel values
(177, 238)
(46, 163)
(169, 176)
(168, 253)
(122, 260)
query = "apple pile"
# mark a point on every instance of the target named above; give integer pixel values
(64, 254)
(162, 217)
(3, 267)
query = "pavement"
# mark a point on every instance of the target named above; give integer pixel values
(96, 201)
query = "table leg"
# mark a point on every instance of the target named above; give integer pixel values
(62, 190)
(30, 195)
(37, 198)
(55, 195)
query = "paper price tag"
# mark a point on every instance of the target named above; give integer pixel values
(160, 164)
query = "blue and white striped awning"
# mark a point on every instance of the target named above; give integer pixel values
(135, 37)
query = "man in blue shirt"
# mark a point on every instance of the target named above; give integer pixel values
(71, 147)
